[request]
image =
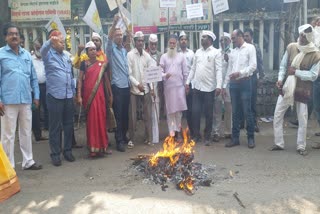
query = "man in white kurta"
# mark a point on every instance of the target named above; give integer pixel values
(206, 78)
(300, 63)
(175, 76)
(138, 61)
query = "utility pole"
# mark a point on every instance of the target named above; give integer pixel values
(4, 18)
(305, 12)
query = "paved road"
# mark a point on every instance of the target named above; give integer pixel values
(266, 182)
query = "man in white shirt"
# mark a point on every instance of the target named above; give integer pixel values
(138, 61)
(188, 55)
(223, 101)
(242, 64)
(206, 78)
(41, 75)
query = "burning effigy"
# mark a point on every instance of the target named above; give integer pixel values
(174, 163)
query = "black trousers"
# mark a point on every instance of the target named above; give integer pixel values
(121, 101)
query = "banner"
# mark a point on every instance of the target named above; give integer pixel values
(35, 10)
(56, 24)
(92, 18)
(168, 3)
(290, 1)
(219, 6)
(149, 17)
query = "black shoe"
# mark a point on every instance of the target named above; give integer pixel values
(35, 166)
(69, 158)
(121, 148)
(251, 143)
(56, 162)
(232, 143)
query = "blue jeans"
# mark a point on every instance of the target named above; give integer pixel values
(60, 113)
(240, 93)
(316, 98)
(121, 101)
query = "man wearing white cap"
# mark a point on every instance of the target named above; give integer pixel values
(96, 39)
(223, 101)
(242, 64)
(188, 55)
(206, 78)
(175, 76)
(301, 60)
(138, 61)
(157, 96)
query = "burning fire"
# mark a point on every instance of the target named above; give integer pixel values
(177, 153)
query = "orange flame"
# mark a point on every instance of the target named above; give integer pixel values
(172, 149)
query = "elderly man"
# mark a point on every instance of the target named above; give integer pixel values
(138, 61)
(60, 92)
(158, 95)
(242, 64)
(17, 78)
(118, 61)
(206, 78)
(96, 38)
(41, 76)
(223, 101)
(300, 62)
(188, 55)
(175, 75)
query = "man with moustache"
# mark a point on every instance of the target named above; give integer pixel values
(301, 61)
(206, 79)
(188, 55)
(41, 76)
(17, 78)
(242, 64)
(60, 92)
(175, 74)
(138, 61)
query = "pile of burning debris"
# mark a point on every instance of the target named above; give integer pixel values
(174, 163)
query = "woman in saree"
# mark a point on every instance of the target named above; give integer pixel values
(9, 183)
(92, 95)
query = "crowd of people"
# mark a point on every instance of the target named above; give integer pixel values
(219, 83)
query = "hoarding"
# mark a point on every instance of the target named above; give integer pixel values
(149, 17)
(36, 10)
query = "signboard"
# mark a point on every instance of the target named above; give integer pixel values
(290, 1)
(153, 74)
(168, 3)
(194, 11)
(149, 17)
(35, 10)
(219, 6)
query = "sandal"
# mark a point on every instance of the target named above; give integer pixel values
(302, 152)
(148, 143)
(130, 144)
(275, 148)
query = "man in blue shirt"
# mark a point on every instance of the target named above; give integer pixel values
(117, 56)
(60, 91)
(17, 79)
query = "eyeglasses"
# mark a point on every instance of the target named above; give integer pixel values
(13, 34)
